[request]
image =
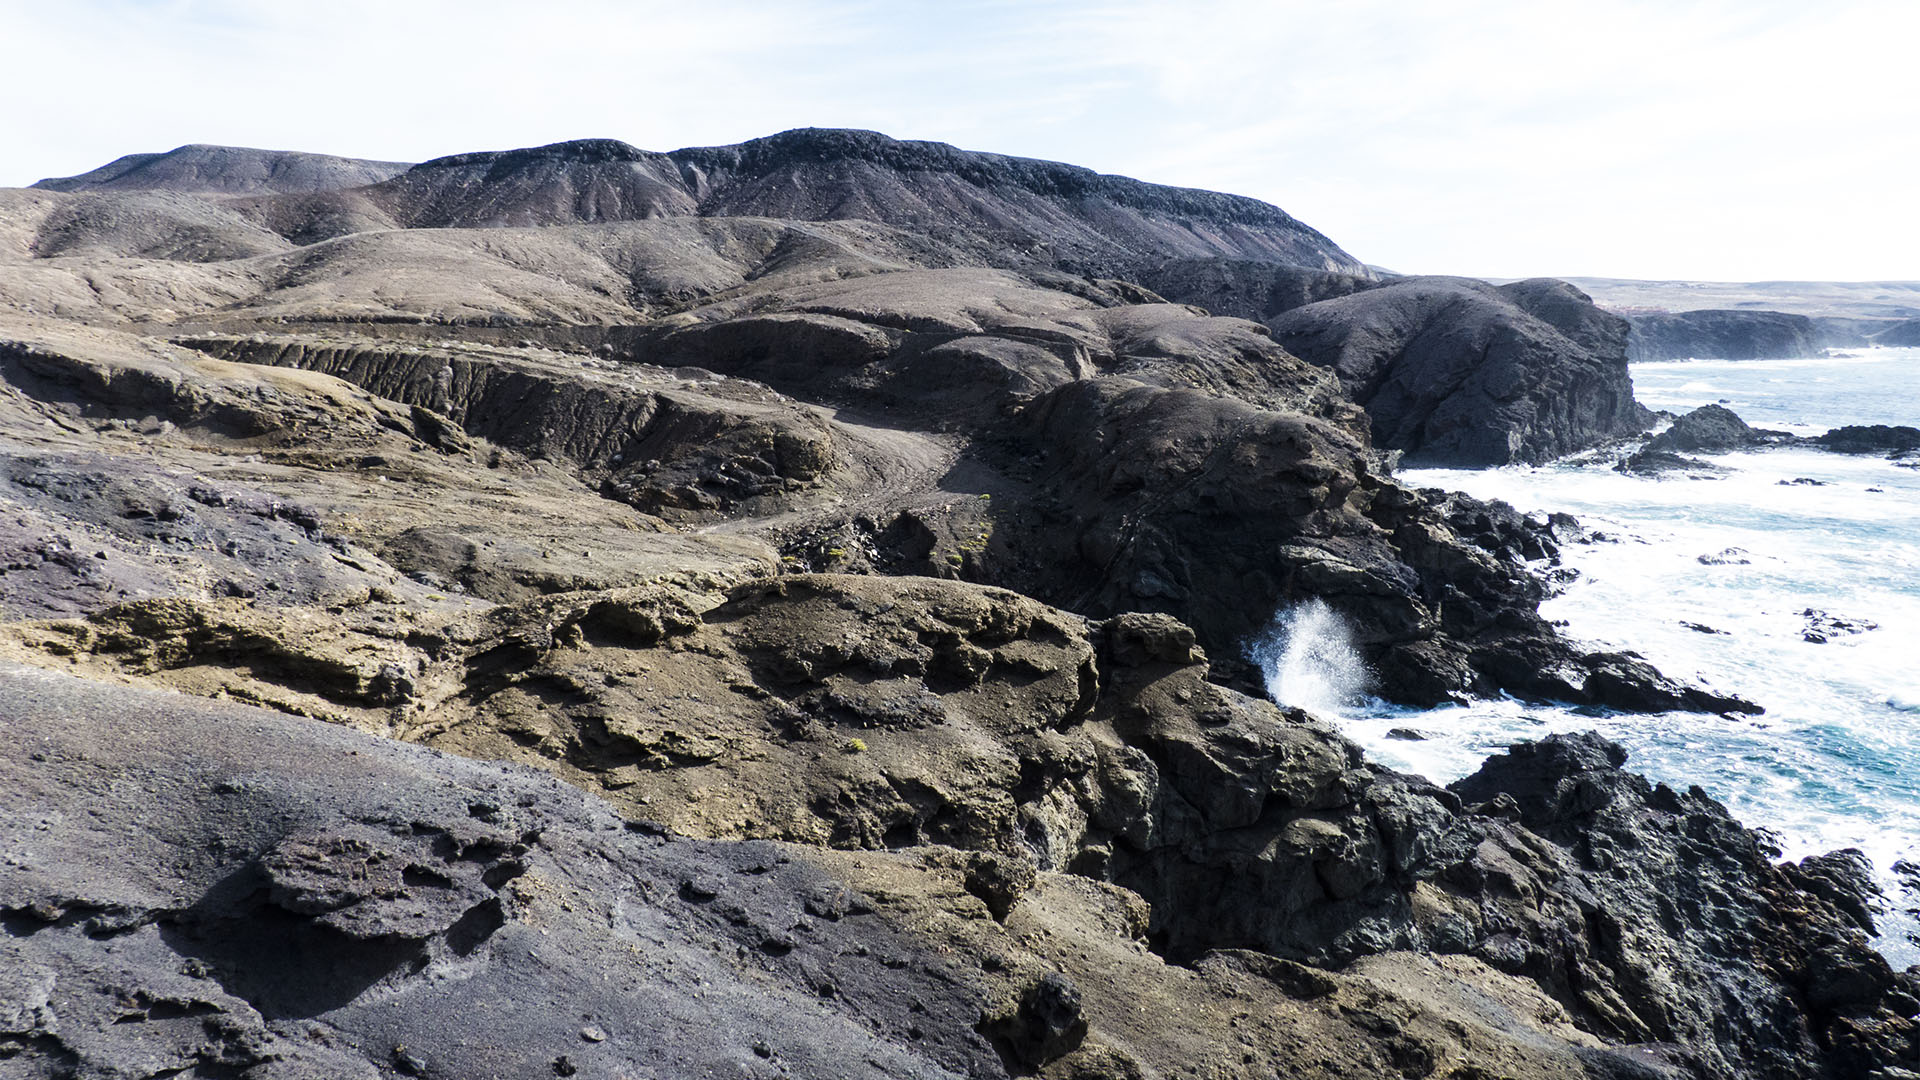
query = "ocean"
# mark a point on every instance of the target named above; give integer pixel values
(1728, 582)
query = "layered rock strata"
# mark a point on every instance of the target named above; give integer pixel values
(852, 616)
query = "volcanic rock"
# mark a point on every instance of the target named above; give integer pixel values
(1905, 333)
(543, 484)
(1062, 215)
(1870, 439)
(1712, 428)
(1721, 335)
(1453, 371)
(1246, 288)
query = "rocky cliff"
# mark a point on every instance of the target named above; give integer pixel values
(1722, 335)
(1459, 372)
(523, 617)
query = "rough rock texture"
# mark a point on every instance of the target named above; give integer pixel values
(1458, 372)
(1248, 289)
(664, 443)
(1167, 500)
(702, 516)
(416, 905)
(1636, 856)
(1709, 427)
(1053, 214)
(1721, 335)
(1871, 438)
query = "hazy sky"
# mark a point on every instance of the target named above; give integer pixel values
(1721, 140)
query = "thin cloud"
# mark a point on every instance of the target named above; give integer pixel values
(1710, 139)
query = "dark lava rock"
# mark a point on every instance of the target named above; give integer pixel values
(1657, 463)
(1725, 557)
(1454, 371)
(1901, 334)
(1631, 856)
(1053, 214)
(1047, 1023)
(1822, 626)
(1248, 289)
(1721, 335)
(1844, 879)
(1710, 428)
(253, 888)
(1173, 501)
(277, 894)
(1870, 439)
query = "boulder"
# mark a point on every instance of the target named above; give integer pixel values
(1710, 428)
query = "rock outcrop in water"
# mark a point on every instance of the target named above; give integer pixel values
(1713, 428)
(841, 617)
(1890, 439)
(1718, 429)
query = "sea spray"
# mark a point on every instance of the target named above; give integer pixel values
(1835, 761)
(1310, 661)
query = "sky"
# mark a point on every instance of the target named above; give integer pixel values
(1732, 141)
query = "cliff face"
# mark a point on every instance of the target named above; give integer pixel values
(1722, 335)
(841, 618)
(1905, 334)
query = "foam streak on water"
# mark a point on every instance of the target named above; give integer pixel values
(1721, 581)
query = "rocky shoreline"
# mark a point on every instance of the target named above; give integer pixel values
(784, 610)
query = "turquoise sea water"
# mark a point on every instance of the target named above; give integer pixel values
(1835, 760)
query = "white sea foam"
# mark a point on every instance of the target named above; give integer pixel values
(1835, 760)
(1310, 661)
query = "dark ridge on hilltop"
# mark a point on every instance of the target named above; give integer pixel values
(758, 157)
(1014, 209)
(586, 151)
(228, 170)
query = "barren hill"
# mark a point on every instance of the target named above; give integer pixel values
(841, 555)
(227, 170)
(1036, 211)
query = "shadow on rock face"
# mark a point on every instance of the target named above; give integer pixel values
(320, 918)
(283, 964)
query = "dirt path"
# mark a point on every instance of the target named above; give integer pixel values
(889, 469)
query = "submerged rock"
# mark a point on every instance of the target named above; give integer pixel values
(1658, 463)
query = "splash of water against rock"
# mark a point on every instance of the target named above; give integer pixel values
(1310, 660)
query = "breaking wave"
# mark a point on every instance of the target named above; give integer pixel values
(1310, 662)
